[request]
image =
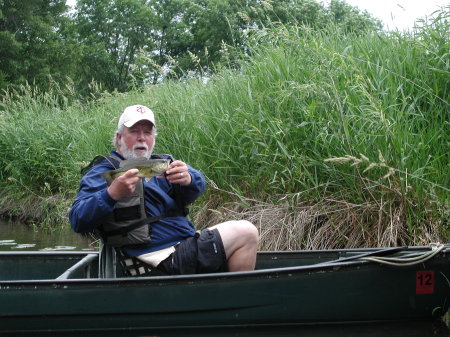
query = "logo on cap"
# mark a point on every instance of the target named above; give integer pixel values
(140, 109)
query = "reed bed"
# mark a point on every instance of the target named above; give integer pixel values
(322, 139)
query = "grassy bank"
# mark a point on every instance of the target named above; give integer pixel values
(322, 139)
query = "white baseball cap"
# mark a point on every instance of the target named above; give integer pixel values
(135, 113)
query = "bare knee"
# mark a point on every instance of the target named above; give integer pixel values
(238, 233)
(248, 230)
(240, 239)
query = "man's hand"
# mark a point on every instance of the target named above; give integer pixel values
(124, 185)
(178, 173)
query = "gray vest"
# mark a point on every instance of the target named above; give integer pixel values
(127, 211)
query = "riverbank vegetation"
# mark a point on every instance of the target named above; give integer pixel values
(322, 138)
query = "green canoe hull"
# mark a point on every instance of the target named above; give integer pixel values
(305, 287)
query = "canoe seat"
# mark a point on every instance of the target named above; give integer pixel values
(129, 265)
(132, 266)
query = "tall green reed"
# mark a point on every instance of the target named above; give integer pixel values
(304, 97)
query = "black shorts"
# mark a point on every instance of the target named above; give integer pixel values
(203, 253)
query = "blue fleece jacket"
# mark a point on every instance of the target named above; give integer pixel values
(93, 203)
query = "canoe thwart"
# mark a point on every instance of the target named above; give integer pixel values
(85, 262)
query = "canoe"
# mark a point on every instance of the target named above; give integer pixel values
(66, 291)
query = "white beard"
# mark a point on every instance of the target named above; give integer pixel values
(132, 154)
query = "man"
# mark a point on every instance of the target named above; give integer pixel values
(173, 247)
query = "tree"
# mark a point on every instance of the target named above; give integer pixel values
(351, 19)
(31, 48)
(170, 36)
(119, 44)
(111, 33)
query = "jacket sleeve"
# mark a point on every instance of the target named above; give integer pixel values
(197, 186)
(92, 202)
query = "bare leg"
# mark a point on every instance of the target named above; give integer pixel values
(240, 239)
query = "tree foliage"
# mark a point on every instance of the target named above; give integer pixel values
(32, 47)
(120, 44)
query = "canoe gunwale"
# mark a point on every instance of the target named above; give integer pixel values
(262, 253)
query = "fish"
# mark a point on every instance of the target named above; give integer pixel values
(147, 168)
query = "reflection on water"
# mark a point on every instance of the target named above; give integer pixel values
(17, 236)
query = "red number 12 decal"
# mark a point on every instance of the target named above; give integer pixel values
(425, 282)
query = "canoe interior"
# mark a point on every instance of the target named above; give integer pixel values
(43, 265)
(40, 265)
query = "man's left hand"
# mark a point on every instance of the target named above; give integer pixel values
(178, 173)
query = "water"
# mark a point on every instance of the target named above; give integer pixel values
(15, 236)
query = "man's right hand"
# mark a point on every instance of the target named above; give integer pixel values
(124, 185)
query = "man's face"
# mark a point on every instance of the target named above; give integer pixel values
(136, 141)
